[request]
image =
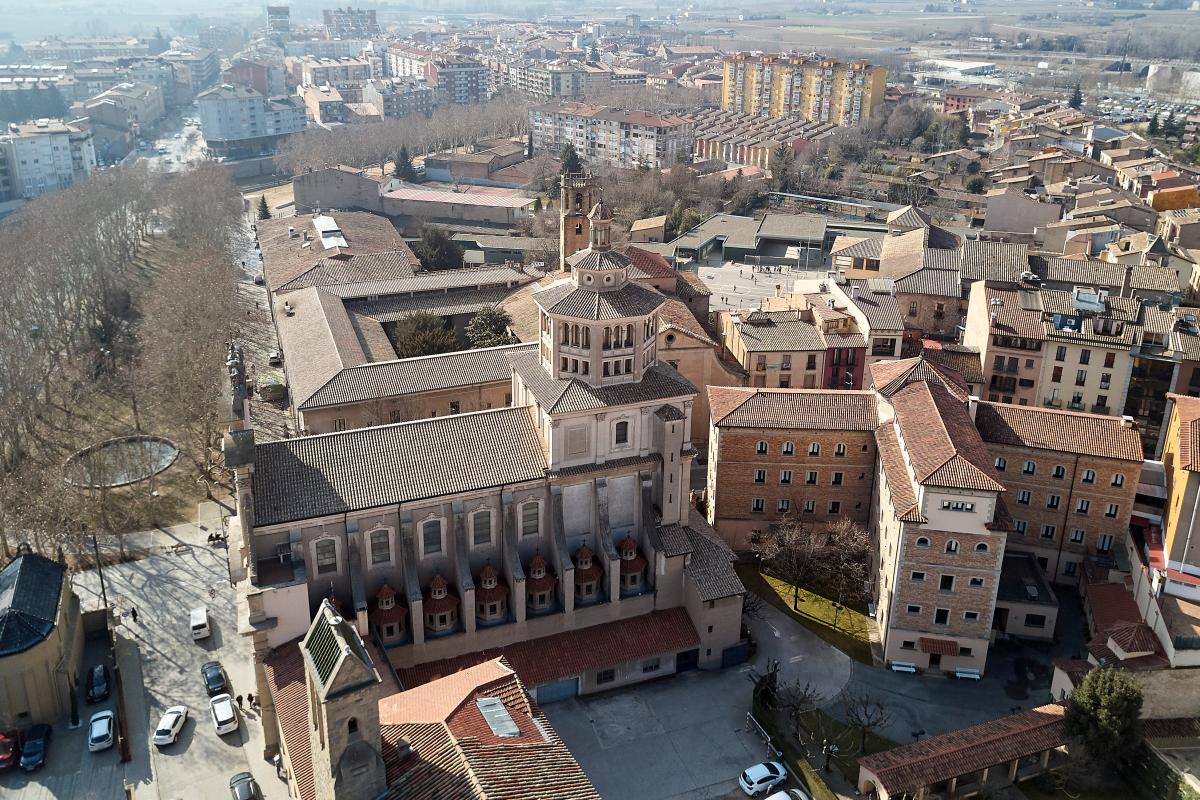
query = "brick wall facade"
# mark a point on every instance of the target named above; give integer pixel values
(1061, 550)
(737, 487)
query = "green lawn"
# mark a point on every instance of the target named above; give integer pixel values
(817, 788)
(850, 635)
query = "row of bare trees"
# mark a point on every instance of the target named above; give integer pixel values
(375, 144)
(832, 559)
(100, 340)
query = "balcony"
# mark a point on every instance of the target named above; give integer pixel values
(1099, 409)
(1052, 402)
(1076, 406)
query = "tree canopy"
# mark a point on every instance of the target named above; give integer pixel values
(571, 165)
(404, 169)
(489, 328)
(1103, 712)
(437, 250)
(421, 335)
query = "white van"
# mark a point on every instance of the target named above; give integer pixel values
(199, 620)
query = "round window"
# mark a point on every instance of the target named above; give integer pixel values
(608, 278)
(670, 338)
(587, 279)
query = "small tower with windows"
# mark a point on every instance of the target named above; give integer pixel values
(633, 568)
(491, 597)
(343, 697)
(539, 586)
(587, 577)
(440, 608)
(574, 202)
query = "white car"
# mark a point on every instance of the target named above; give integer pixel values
(224, 717)
(790, 794)
(761, 777)
(170, 726)
(102, 731)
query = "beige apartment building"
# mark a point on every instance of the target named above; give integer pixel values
(817, 90)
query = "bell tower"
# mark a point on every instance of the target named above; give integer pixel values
(575, 200)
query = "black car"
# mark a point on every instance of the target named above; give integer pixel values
(37, 743)
(214, 678)
(243, 787)
(97, 684)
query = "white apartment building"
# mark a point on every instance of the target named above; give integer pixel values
(610, 136)
(237, 119)
(43, 156)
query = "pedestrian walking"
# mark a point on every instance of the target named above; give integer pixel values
(239, 702)
(249, 699)
(133, 613)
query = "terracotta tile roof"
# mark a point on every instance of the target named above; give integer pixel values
(645, 264)
(960, 358)
(942, 443)
(1081, 272)
(689, 285)
(1110, 604)
(993, 261)
(312, 476)
(933, 281)
(416, 375)
(566, 299)
(1011, 315)
(285, 257)
(284, 671)
(675, 314)
(904, 497)
(853, 247)
(1188, 409)
(437, 742)
(1134, 637)
(944, 647)
(660, 382)
(777, 331)
(803, 409)
(962, 752)
(889, 377)
(879, 307)
(367, 267)
(1057, 430)
(575, 652)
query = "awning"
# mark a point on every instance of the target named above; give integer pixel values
(941, 647)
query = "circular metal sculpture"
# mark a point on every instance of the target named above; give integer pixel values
(120, 462)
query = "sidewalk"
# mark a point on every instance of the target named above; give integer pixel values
(139, 774)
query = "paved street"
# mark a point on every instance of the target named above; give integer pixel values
(164, 588)
(679, 737)
(739, 286)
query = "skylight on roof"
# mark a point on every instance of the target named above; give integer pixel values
(497, 717)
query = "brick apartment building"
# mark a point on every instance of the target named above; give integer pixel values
(795, 454)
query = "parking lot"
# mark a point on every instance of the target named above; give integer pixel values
(163, 588)
(71, 770)
(681, 737)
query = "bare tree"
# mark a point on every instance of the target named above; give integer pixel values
(791, 551)
(844, 564)
(864, 712)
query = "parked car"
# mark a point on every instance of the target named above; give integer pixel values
(215, 680)
(37, 745)
(258, 279)
(275, 359)
(170, 726)
(224, 717)
(102, 731)
(790, 794)
(762, 777)
(243, 787)
(98, 686)
(10, 750)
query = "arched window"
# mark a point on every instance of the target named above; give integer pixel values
(814, 449)
(575, 336)
(564, 333)
(352, 726)
(578, 202)
(579, 230)
(789, 448)
(922, 541)
(629, 336)
(981, 547)
(586, 338)
(1001, 463)
(952, 546)
(607, 338)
